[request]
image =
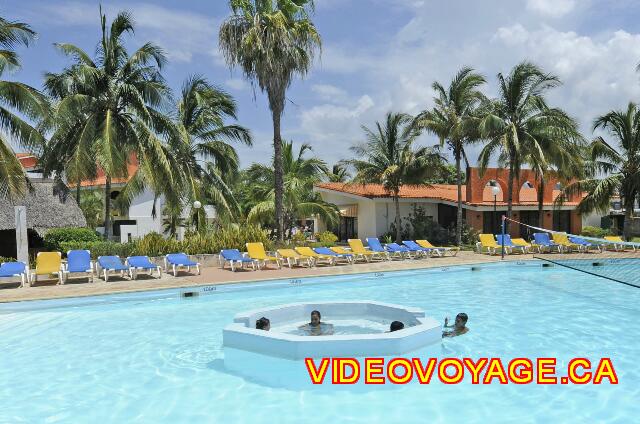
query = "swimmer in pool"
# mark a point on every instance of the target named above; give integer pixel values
(395, 326)
(317, 327)
(459, 327)
(263, 324)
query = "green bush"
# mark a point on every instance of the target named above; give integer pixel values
(153, 244)
(54, 238)
(5, 259)
(100, 248)
(596, 232)
(326, 239)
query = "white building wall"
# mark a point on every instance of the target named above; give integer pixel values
(386, 213)
(592, 220)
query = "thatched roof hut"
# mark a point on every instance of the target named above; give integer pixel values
(49, 205)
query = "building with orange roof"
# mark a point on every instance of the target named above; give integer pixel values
(367, 210)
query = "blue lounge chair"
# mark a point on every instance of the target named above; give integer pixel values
(112, 263)
(543, 241)
(507, 242)
(376, 246)
(585, 244)
(78, 261)
(329, 252)
(397, 250)
(142, 263)
(176, 260)
(14, 269)
(415, 247)
(235, 258)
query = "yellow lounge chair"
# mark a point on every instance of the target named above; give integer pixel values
(440, 251)
(294, 258)
(528, 247)
(47, 263)
(488, 244)
(342, 251)
(307, 251)
(357, 248)
(563, 240)
(256, 251)
(619, 245)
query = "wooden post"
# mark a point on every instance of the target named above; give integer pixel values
(22, 241)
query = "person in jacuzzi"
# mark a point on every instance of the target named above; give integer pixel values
(459, 327)
(316, 327)
(263, 324)
(395, 326)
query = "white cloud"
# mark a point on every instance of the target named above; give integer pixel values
(327, 92)
(552, 8)
(237, 84)
(182, 34)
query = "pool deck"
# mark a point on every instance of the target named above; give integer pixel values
(78, 287)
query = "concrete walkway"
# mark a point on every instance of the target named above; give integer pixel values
(213, 275)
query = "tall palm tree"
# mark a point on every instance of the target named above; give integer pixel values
(520, 121)
(206, 160)
(619, 162)
(272, 41)
(108, 112)
(454, 119)
(17, 100)
(389, 158)
(300, 201)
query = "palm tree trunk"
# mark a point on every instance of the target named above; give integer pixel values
(509, 195)
(278, 171)
(396, 200)
(628, 216)
(540, 201)
(78, 193)
(107, 208)
(459, 212)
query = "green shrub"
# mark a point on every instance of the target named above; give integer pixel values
(596, 232)
(298, 239)
(5, 259)
(326, 239)
(54, 238)
(100, 248)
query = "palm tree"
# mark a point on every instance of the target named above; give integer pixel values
(108, 112)
(520, 121)
(454, 120)
(300, 201)
(339, 173)
(619, 162)
(17, 100)
(272, 41)
(390, 159)
(206, 160)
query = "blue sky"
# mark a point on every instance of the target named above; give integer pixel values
(378, 56)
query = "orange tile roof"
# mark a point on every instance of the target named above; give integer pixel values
(445, 192)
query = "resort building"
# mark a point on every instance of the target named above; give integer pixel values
(49, 204)
(368, 210)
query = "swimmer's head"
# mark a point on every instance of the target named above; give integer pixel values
(461, 319)
(315, 318)
(395, 326)
(263, 324)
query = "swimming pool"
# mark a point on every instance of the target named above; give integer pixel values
(157, 357)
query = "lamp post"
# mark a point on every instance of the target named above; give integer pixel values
(197, 205)
(495, 190)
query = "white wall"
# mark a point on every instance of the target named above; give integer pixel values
(592, 219)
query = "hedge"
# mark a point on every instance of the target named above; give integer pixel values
(55, 237)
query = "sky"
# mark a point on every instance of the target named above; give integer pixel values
(377, 56)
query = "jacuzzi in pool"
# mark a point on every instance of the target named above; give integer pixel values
(359, 330)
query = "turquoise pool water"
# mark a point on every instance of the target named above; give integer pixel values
(156, 358)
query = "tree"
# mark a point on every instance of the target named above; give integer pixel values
(272, 41)
(17, 100)
(454, 120)
(339, 173)
(108, 112)
(300, 201)
(519, 121)
(207, 163)
(389, 158)
(92, 205)
(619, 163)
